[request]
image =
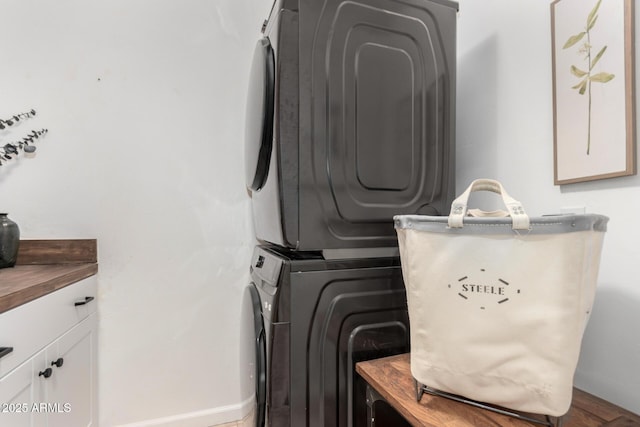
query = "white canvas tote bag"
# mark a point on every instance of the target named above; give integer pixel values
(498, 303)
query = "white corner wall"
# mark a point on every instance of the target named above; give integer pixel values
(505, 131)
(144, 101)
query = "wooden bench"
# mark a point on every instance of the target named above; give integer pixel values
(390, 384)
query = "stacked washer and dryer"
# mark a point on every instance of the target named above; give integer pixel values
(350, 121)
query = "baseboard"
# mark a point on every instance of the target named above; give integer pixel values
(203, 418)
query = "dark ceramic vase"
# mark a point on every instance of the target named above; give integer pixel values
(9, 241)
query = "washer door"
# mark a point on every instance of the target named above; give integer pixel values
(259, 117)
(261, 356)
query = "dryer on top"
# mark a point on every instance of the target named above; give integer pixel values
(350, 120)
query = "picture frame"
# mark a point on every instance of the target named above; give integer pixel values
(593, 61)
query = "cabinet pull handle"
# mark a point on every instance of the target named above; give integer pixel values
(46, 373)
(5, 350)
(86, 300)
(58, 363)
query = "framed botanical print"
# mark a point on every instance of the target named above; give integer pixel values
(593, 89)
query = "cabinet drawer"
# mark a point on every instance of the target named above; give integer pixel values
(30, 327)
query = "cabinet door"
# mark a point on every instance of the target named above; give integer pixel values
(71, 390)
(16, 391)
(20, 391)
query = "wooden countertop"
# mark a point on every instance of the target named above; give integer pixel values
(45, 266)
(391, 378)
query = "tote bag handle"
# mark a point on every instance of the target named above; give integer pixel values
(519, 217)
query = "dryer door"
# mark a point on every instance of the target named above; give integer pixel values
(259, 115)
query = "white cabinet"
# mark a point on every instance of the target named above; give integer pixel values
(51, 381)
(18, 389)
(71, 387)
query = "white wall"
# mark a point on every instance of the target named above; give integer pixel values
(505, 131)
(144, 101)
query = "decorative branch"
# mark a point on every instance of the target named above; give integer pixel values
(10, 150)
(10, 122)
(586, 76)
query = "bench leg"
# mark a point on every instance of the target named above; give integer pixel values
(372, 397)
(549, 422)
